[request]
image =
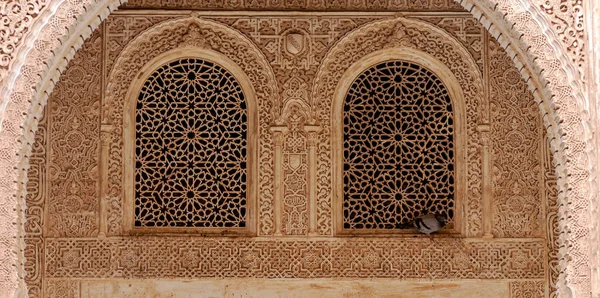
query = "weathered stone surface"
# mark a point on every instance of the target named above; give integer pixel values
(571, 163)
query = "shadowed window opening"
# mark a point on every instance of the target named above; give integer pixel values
(398, 147)
(190, 151)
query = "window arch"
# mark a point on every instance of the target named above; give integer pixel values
(399, 132)
(191, 156)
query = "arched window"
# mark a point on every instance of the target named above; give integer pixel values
(191, 167)
(398, 147)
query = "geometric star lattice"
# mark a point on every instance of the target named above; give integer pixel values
(398, 147)
(191, 135)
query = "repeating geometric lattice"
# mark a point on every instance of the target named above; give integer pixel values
(398, 147)
(191, 124)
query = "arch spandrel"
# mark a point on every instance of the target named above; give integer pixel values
(577, 279)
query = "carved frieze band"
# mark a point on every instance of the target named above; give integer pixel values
(165, 257)
(527, 288)
(376, 5)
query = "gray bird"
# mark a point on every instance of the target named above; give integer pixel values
(429, 223)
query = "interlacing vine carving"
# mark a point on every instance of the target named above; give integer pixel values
(398, 147)
(191, 147)
(171, 35)
(516, 140)
(66, 263)
(433, 41)
(201, 257)
(375, 5)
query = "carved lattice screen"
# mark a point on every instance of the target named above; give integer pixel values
(398, 147)
(191, 130)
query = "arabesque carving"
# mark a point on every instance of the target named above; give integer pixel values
(527, 289)
(198, 257)
(120, 30)
(398, 145)
(295, 181)
(72, 204)
(515, 140)
(170, 35)
(191, 130)
(295, 172)
(551, 220)
(432, 41)
(360, 5)
(566, 18)
(49, 27)
(295, 43)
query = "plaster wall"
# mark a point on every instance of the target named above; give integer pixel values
(76, 233)
(527, 31)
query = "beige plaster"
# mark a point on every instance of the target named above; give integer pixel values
(568, 137)
(286, 255)
(324, 288)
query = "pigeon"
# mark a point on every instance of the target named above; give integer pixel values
(429, 223)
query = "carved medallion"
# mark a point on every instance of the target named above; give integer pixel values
(294, 42)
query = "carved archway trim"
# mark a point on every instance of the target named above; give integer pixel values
(528, 43)
(460, 126)
(154, 45)
(433, 42)
(252, 137)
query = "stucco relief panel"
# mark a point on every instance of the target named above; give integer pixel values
(72, 202)
(551, 217)
(566, 17)
(516, 144)
(211, 36)
(62, 189)
(198, 257)
(386, 34)
(301, 106)
(35, 13)
(360, 5)
(16, 18)
(567, 20)
(120, 30)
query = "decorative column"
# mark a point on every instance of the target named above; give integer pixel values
(486, 183)
(312, 132)
(486, 160)
(105, 138)
(279, 133)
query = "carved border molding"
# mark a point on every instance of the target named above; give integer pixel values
(557, 87)
(195, 257)
(565, 117)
